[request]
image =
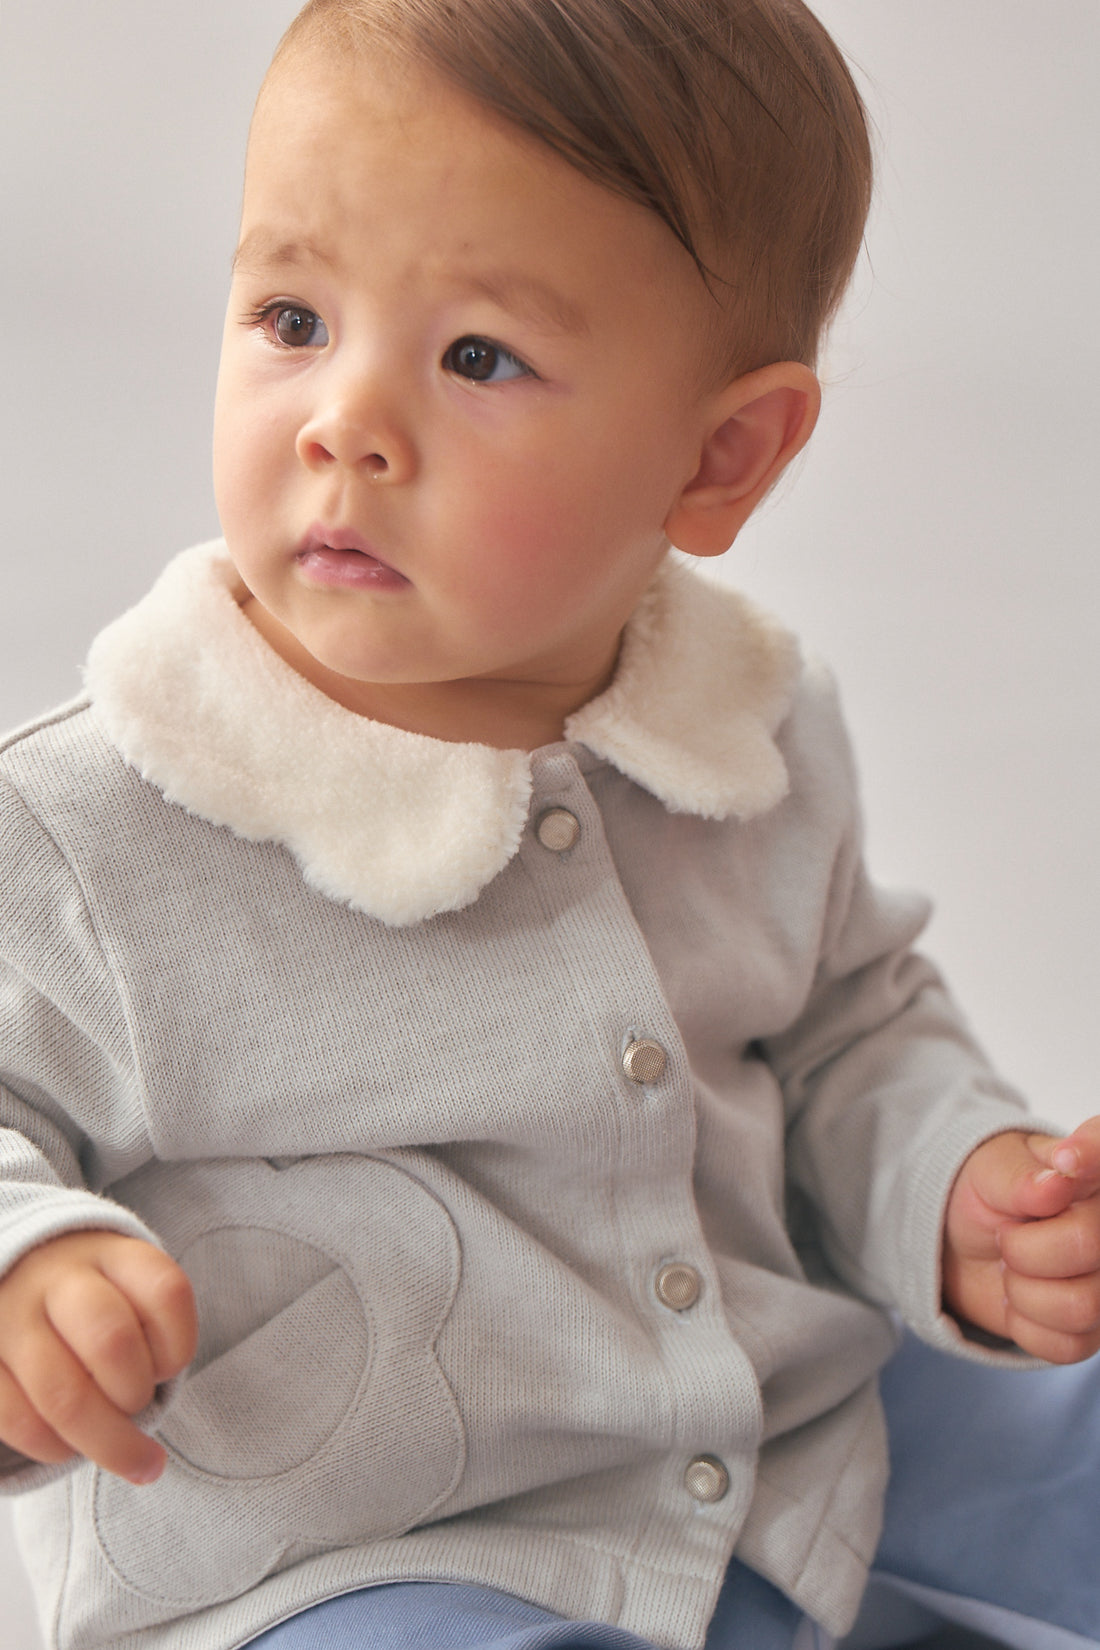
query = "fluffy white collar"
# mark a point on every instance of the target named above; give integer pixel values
(402, 826)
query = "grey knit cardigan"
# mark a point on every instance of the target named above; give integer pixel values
(428, 1093)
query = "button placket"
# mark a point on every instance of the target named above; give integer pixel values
(673, 1285)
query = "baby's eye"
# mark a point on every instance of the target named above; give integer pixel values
(483, 362)
(298, 327)
(294, 325)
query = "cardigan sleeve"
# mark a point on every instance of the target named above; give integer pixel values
(886, 1090)
(70, 1114)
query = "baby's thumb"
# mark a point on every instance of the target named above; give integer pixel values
(1075, 1158)
(1015, 1176)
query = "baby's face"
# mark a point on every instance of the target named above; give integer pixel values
(459, 392)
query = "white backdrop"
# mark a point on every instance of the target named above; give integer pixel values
(939, 543)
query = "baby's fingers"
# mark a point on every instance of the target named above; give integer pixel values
(1065, 1246)
(1052, 1283)
(1077, 1157)
(103, 1331)
(1006, 1179)
(160, 1295)
(75, 1412)
(1054, 1318)
(23, 1428)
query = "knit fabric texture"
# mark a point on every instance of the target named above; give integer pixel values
(310, 1002)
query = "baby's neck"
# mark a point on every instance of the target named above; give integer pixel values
(503, 713)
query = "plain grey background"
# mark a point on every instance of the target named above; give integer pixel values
(939, 544)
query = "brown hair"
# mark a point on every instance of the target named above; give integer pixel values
(735, 121)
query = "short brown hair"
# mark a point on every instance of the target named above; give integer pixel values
(736, 121)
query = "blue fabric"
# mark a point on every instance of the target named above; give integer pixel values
(995, 1484)
(751, 1615)
(436, 1616)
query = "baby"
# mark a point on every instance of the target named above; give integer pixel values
(468, 1116)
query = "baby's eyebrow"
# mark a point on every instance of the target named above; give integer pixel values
(526, 295)
(529, 298)
(261, 248)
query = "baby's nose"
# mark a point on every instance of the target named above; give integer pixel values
(359, 428)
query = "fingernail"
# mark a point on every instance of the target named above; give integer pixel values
(1045, 1174)
(1066, 1160)
(147, 1475)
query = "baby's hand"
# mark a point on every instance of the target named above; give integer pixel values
(89, 1324)
(1022, 1242)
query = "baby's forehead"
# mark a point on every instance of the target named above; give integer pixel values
(340, 150)
(380, 95)
(736, 123)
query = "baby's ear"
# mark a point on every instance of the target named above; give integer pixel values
(754, 427)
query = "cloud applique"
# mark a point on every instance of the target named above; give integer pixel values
(316, 1414)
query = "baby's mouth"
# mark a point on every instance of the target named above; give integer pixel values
(341, 556)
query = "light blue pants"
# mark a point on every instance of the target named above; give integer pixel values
(439, 1616)
(992, 1521)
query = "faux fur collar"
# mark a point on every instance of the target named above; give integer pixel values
(395, 824)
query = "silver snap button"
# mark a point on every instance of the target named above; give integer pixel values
(644, 1061)
(706, 1479)
(677, 1286)
(558, 830)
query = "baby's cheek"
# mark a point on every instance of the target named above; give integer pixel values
(518, 554)
(254, 446)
